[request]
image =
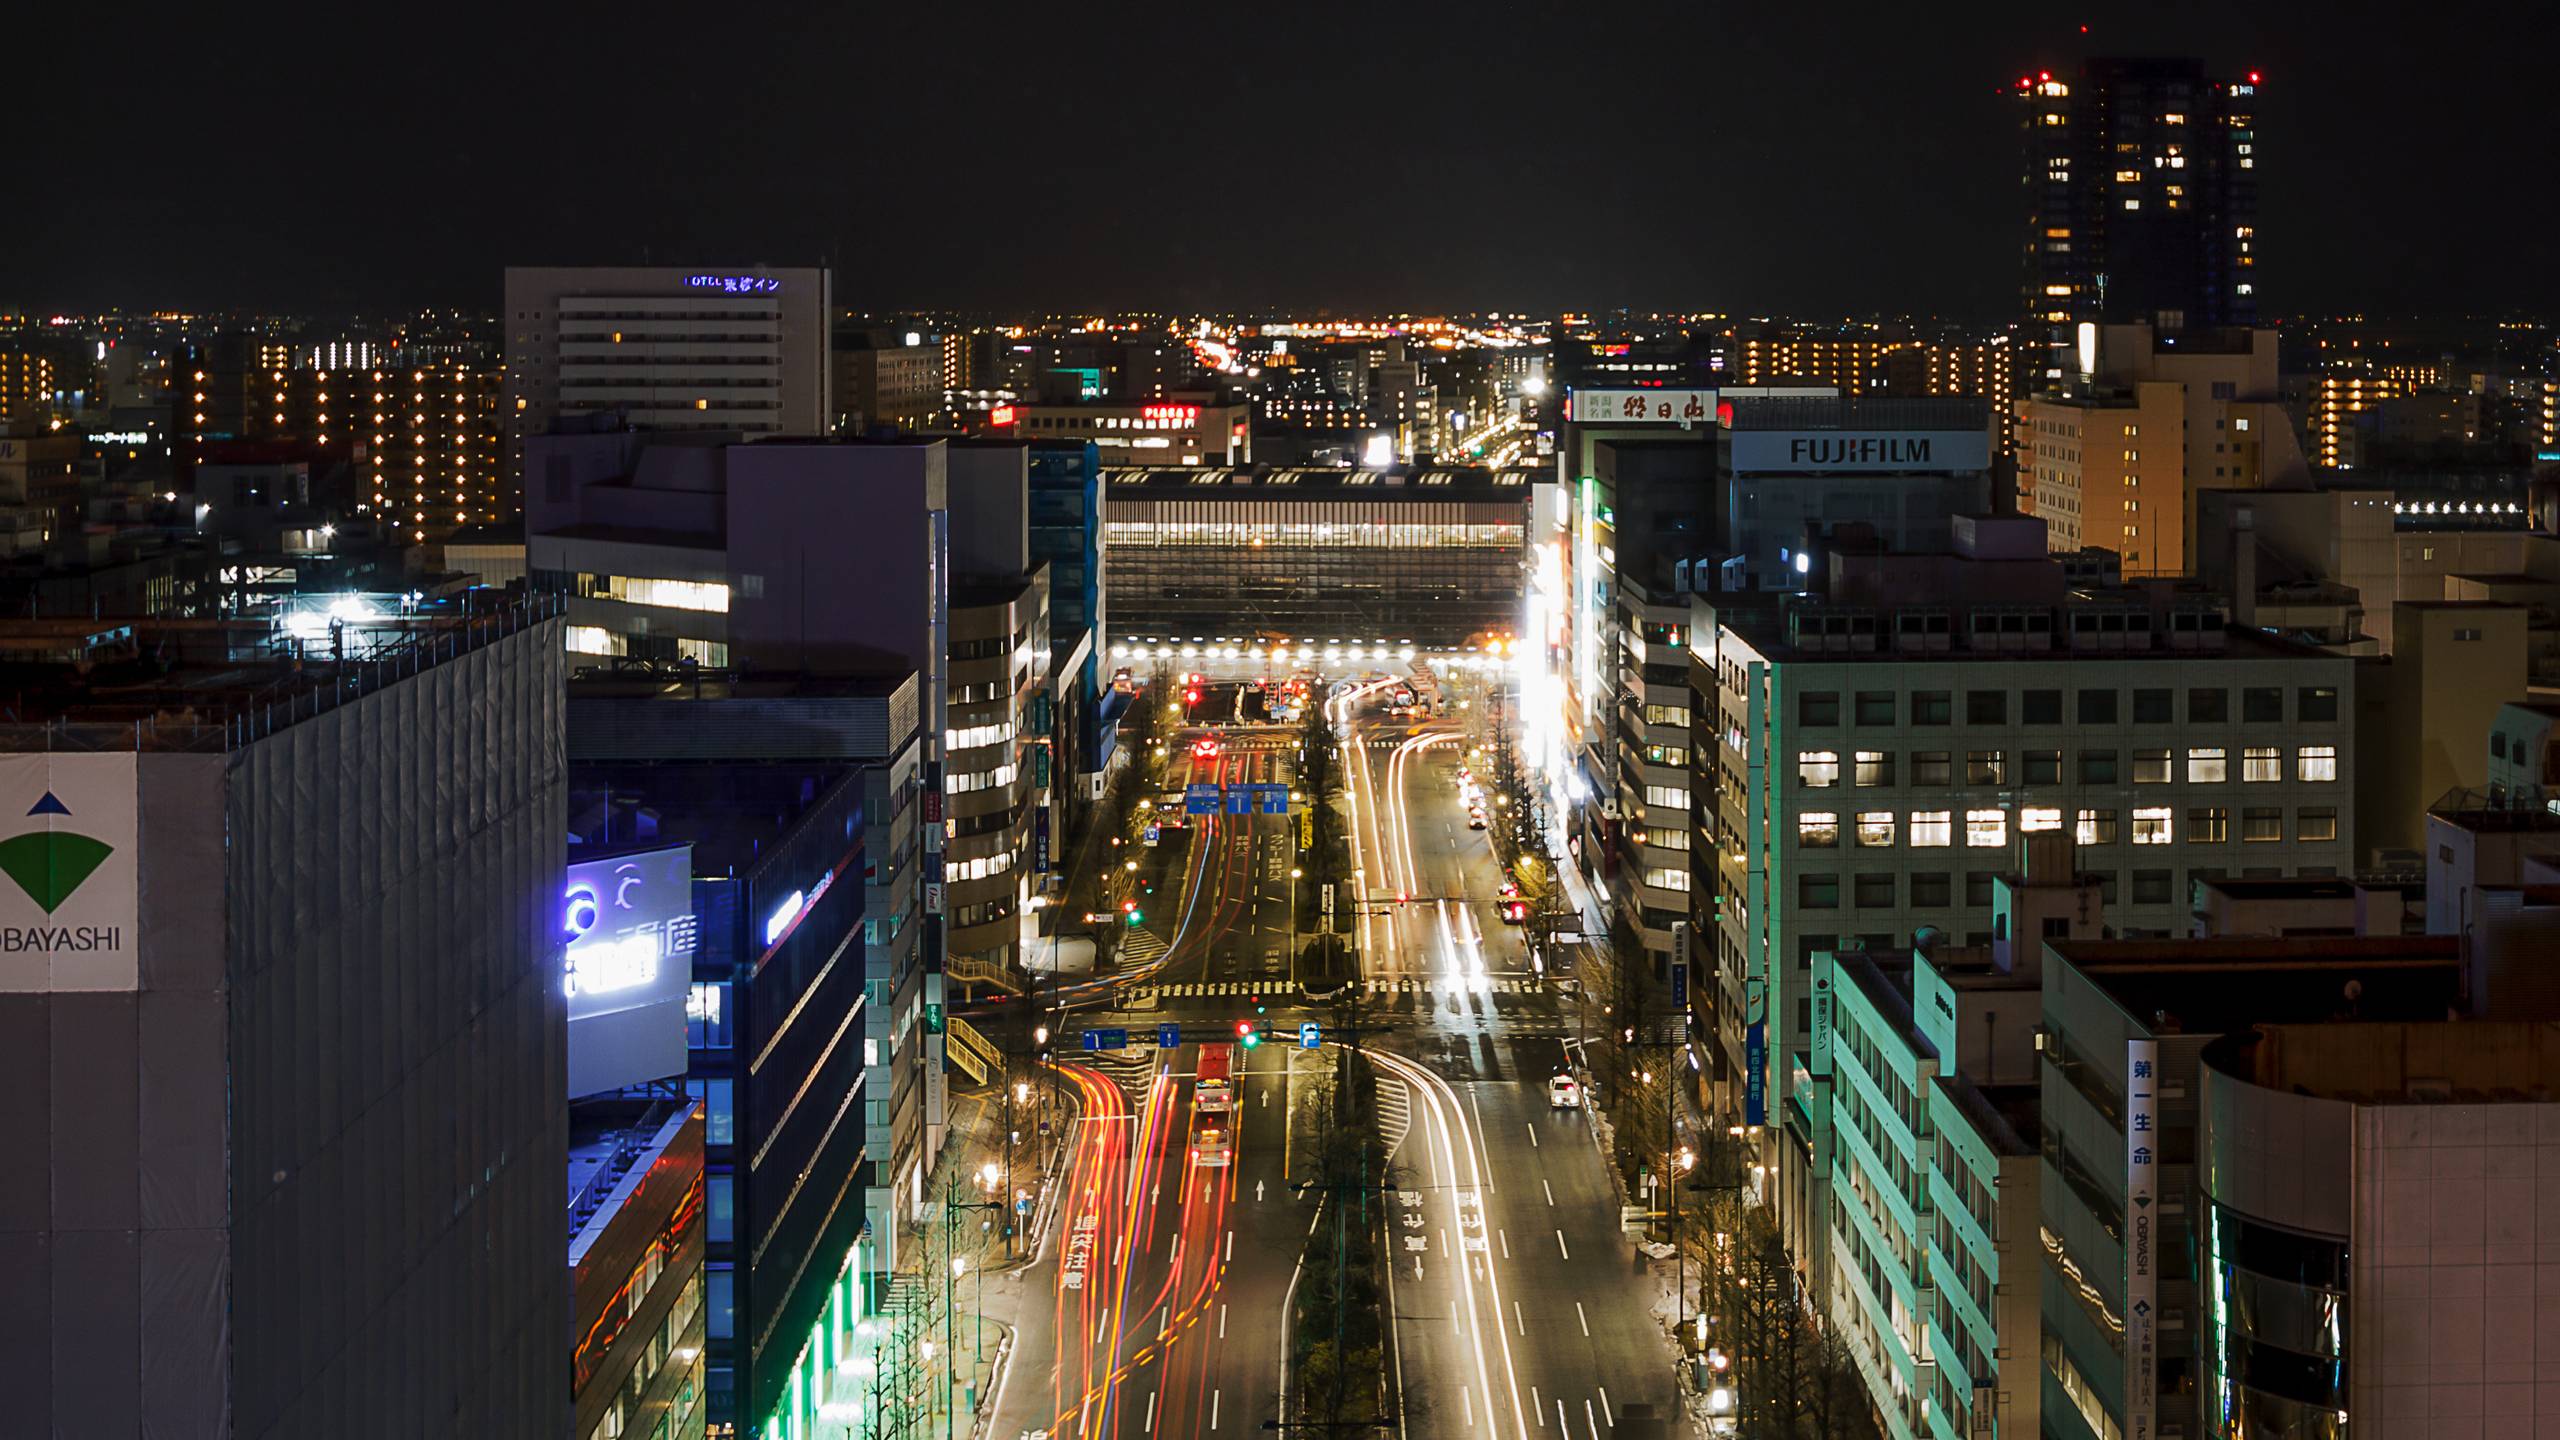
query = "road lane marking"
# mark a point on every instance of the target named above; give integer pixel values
(1564, 1425)
(1151, 1412)
(1230, 1256)
(1550, 1189)
(1604, 1408)
(1453, 1318)
(1523, 1325)
(1537, 1407)
(1533, 1137)
(1585, 1319)
(1467, 1397)
(1588, 1420)
(1560, 1245)
(1222, 1319)
(1505, 1237)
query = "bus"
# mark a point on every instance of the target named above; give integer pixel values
(1214, 1091)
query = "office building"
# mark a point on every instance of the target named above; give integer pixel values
(1880, 745)
(2524, 755)
(636, 1196)
(2114, 458)
(288, 1132)
(1338, 557)
(1183, 429)
(1894, 470)
(882, 384)
(26, 385)
(2142, 204)
(807, 1017)
(1913, 1127)
(2194, 1280)
(739, 349)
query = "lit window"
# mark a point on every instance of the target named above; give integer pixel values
(1875, 767)
(1875, 829)
(2207, 765)
(2261, 763)
(2316, 762)
(2316, 822)
(1818, 769)
(2151, 825)
(2151, 767)
(2039, 817)
(1986, 829)
(1932, 829)
(2096, 827)
(1818, 831)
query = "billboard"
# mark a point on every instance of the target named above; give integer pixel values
(1855, 450)
(631, 934)
(70, 893)
(1642, 407)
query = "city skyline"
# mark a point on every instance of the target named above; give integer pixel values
(1352, 161)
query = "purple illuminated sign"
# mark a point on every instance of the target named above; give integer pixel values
(733, 284)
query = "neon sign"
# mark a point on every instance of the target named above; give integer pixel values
(1171, 412)
(733, 284)
(1000, 415)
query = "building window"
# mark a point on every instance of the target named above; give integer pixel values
(1875, 829)
(1986, 767)
(2151, 825)
(2151, 707)
(2498, 746)
(1875, 707)
(1986, 829)
(1818, 892)
(2151, 767)
(2208, 707)
(2044, 767)
(1874, 892)
(1668, 879)
(1932, 707)
(2315, 702)
(2208, 825)
(2260, 763)
(1674, 796)
(2040, 707)
(1818, 707)
(1818, 769)
(2320, 762)
(2207, 765)
(1819, 830)
(1932, 767)
(2150, 887)
(1977, 886)
(2316, 822)
(2039, 817)
(1932, 888)
(2262, 705)
(1875, 768)
(2097, 707)
(1932, 829)
(2260, 824)
(2097, 767)
(1986, 707)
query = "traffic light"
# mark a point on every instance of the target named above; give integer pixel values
(1130, 913)
(1190, 697)
(1248, 1034)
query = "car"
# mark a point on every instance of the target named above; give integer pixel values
(1475, 820)
(1205, 747)
(1564, 1093)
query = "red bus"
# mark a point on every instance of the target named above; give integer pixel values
(1214, 1092)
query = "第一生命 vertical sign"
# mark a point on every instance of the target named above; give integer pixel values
(70, 895)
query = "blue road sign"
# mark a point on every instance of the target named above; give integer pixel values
(1169, 1037)
(1110, 1039)
(1239, 799)
(1154, 835)
(1274, 799)
(1199, 799)
(1092, 1040)
(1310, 1035)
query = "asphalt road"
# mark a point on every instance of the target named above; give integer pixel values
(1517, 1307)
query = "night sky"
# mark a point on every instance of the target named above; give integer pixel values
(1841, 158)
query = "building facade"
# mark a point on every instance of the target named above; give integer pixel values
(636, 1200)
(742, 349)
(1182, 429)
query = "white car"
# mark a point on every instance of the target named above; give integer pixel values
(1564, 1093)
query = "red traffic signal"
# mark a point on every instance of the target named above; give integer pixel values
(1191, 697)
(1243, 1028)
(1128, 905)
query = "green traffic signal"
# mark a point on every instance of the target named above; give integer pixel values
(1136, 917)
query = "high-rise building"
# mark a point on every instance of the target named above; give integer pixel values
(285, 1020)
(2142, 203)
(26, 385)
(745, 350)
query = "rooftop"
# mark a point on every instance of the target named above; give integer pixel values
(2426, 1062)
(2212, 987)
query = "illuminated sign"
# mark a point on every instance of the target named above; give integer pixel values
(1860, 450)
(120, 437)
(778, 924)
(1000, 415)
(2141, 1241)
(1642, 407)
(631, 934)
(733, 284)
(1170, 412)
(70, 897)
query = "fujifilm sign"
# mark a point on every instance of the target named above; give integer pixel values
(1851, 450)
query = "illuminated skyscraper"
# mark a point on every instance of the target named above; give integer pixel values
(2142, 203)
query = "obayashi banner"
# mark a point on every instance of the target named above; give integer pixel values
(70, 893)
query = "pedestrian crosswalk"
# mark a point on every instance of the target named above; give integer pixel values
(1396, 985)
(1395, 1111)
(1142, 946)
